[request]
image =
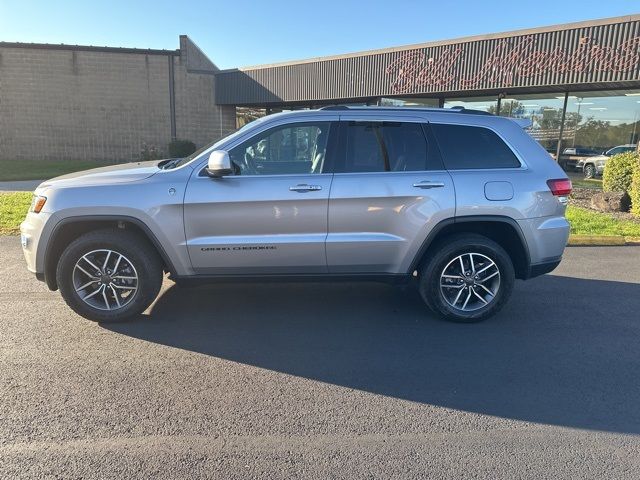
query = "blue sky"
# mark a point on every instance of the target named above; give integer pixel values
(240, 33)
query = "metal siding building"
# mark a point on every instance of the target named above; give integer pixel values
(602, 54)
(579, 84)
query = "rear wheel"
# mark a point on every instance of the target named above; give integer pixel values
(109, 275)
(468, 278)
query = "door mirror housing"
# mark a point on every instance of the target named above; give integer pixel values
(219, 164)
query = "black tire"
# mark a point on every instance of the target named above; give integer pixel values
(442, 256)
(136, 250)
(589, 171)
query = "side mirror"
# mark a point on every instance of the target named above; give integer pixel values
(219, 164)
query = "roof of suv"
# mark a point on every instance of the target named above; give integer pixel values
(475, 117)
(463, 110)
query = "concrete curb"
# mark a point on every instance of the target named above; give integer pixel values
(601, 240)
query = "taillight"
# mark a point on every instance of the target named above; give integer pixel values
(560, 186)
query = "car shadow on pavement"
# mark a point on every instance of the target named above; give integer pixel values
(564, 351)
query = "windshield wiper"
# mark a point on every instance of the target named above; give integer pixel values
(168, 164)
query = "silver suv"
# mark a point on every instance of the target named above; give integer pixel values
(457, 201)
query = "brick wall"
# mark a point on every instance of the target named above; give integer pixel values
(76, 103)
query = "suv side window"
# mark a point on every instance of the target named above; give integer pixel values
(468, 147)
(384, 147)
(286, 149)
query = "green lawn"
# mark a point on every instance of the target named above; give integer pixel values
(590, 183)
(42, 170)
(588, 222)
(13, 208)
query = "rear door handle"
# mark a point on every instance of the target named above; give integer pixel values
(303, 187)
(428, 184)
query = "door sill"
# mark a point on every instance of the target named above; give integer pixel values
(389, 278)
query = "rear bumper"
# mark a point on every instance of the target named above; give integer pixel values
(537, 269)
(546, 239)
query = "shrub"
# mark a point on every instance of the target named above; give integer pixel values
(181, 148)
(150, 152)
(618, 171)
(634, 192)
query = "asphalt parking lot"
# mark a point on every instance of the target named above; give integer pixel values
(326, 380)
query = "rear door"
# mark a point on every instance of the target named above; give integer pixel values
(270, 217)
(389, 190)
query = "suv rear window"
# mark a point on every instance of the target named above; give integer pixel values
(467, 147)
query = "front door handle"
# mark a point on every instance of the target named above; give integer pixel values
(428, 184)
(303, 187)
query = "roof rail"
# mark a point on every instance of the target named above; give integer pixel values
(469, 111)
(455, 109)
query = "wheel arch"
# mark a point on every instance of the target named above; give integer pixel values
(505, 231)
(71, 228)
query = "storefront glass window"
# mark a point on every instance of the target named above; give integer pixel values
(245, 115)
(410, 102)
(601, 120)
(487, 104)
(545, 113)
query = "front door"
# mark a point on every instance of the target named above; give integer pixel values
(270, 217)
(389, 190)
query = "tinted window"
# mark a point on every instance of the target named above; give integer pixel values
(385, 146)
(286, 149)
(472, 147)
(617, 150)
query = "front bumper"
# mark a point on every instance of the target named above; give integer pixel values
(32, 233)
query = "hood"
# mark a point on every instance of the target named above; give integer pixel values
(127, 172)
(593, 158)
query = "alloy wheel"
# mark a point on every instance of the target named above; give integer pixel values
(105, 279)
(470, 281)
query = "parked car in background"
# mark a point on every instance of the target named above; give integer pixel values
(594, 166)
(571, 156)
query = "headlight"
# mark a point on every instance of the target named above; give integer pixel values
(37, 203)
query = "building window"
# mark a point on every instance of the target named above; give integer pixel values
(486, 104)
(418, 102)
(245, 115)
(545, 113)
(598, 121)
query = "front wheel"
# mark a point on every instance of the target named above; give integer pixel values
(109, 275)
(467, 279)
(589, 171)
